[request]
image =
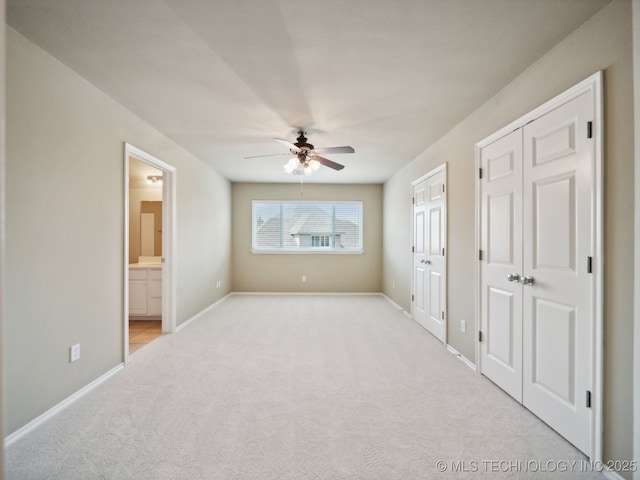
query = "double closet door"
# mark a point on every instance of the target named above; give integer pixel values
(537, 237)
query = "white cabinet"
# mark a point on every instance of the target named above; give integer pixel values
(154, 291)
(145, 292)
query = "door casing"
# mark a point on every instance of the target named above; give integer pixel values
(168, 241)
(592, 84)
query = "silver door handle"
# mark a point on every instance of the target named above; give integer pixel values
(428, 262)
(527, 280)
(513, 277)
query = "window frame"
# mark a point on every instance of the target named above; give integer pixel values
(320, 250)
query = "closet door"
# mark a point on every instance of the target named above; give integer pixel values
(420, 253)
(429, 265)
(435, 292)
(501, 243)
(558, 244)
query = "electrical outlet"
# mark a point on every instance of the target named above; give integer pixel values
(74, 352)
(393, 285)
(218, 283)
(463, 326)
(304, 278)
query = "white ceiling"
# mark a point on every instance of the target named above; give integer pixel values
(223, 77)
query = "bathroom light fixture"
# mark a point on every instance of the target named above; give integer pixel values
(154, 178)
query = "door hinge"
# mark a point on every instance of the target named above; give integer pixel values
(588, 399)
(589, 264)
(479, 254)
(442, 315)
(413, 249)
(412, 298)
(480, 336)
(443, 188)
(480, 172)
(443, 252)
(413, 200)
(589, 129)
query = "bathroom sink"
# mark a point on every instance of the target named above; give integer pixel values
(150, 261)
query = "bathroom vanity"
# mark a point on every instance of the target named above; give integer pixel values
(145, 289)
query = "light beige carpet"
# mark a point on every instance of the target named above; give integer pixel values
(295, 387)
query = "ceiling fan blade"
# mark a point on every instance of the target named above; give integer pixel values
(328, 163)
(287, 143)
(335, 150)
(272, 155)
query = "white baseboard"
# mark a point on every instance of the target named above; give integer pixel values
(462, 358)
(396, 305)
(612, 475)
(307, 293)
(53, 411)
(202, 312)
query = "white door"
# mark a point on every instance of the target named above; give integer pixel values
(537, 233)
(558, 309)
(430, 250)
(435, 256)
(420, 252)
(501, 241)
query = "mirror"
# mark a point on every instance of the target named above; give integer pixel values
(151, 228)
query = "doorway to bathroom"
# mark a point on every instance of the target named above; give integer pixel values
(149, 249)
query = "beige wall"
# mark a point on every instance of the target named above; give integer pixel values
(603, 43)
(65, 227)
(636, 330)
(325, 273)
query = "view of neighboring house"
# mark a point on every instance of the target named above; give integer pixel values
(307, 226)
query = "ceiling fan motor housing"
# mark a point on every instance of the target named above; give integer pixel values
(302, 142)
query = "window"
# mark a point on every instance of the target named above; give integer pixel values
(320, 240)
(307, 227)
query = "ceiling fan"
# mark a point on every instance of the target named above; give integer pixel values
(306, 158)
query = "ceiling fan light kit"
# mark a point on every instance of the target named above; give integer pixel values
(307, 159)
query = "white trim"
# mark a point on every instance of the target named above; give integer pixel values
(593, 85)
(588, 85)
(201, 313)
(431, 173)
(169, 235)
(476, 253)
(53, 411)
(462, 358)
(345, 294)
(440, 168)
(402, 310)
(612, 475)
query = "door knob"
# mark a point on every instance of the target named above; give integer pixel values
(513, 277)
(428, 262)
(527, 280)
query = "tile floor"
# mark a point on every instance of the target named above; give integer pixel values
(142, 332)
